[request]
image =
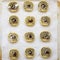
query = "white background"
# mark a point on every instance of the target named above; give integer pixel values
(21, 45)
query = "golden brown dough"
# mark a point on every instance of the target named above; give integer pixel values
(58, 2)
(0, 54)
